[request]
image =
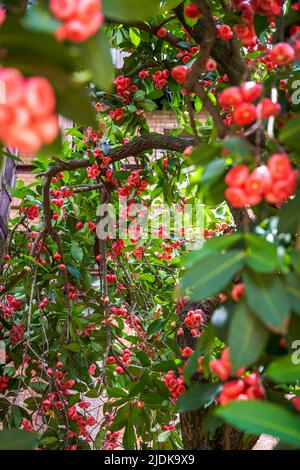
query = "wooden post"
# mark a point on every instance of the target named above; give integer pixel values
(7, 180)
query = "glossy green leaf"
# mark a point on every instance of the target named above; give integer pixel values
(97, 58)
(284, 370)
(262, 255)
(257, 417)
(267, 298)
(130, 10)
(212, 274)
(198, 396)
(237, 146)
(14, 439)
(247, 337)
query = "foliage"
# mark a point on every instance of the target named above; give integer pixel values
(109, 347)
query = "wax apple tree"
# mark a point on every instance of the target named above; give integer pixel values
(121, 335)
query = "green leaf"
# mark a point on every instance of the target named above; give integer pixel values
(14, 439)
(292, 288)
(257, 417)
(156, 326)
(247, 337)
(39, 19)
(198, 396)
(74, 347)
(169, 4)
(129, 10)
(260, 24)
(267, 298)
(97, 58)
(48, 440)
(213, 273)
(129, 438)
(163, 436)
(204, 154)
(212, 172)
(283, 370)
(289, 220)
(262, 255)
(289, 134)
(135, 36)
(237, 146)
(76, 251)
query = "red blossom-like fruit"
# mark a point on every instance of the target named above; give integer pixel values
(280, 166)
(230, 97)
(179, 73)
(162, 32)
(251, 91)
(79, 225)
(192, 11)
(266, 108)
(259, 181)
(237, 175)
(282, 54)
(245, 114)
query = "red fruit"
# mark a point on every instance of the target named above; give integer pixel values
(62, 267)
(236, 196)
(251, 91)
(259, 181)
(280, 166)
(296, 402)
(111, 360)
(180, 73)
(187, 152)
(237, 292)
(266, 108)
(252, 379)
(234, 388)
(119, 370)
(219, 369)
(57, 256)
(187, 352)
(210, 64)
(282, 54)
(192, 11)
(79, 225)
(245, 114)
(230, 97)
(225, 32)
(237, 176)
(162, 32)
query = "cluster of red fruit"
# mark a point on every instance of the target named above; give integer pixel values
(242, 98)
(116, 114)
(82, 423)
(174, 384)
(27, 119)
(81, 18)
(222, 367)
(187, 54)
(125, 88)
(104, 159)
(160, 78)
(210, 232)
(274, 182)
(16, 333)
(134, 181)
(193, 321)
(247, 388)
(12, 305)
